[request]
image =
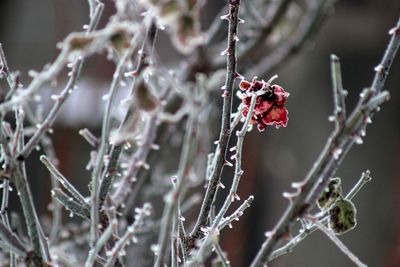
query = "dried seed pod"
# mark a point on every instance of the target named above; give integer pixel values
(342, 216)
(144, 98)
(120, 42)
(332, 192)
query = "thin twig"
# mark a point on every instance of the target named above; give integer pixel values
(226, 120)
(60, 100)
(104, 143)
(223, 259)
(63, 181)
(365, 178)
(73, 206)
(339, 94)
(100, 243)
(141, 213)
(235, 215)
(332, 155)
(12, 241)
(306, 27)
(339, 244)
(110, 172)
(173, 198)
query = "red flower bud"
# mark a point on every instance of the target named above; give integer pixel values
(270, 107)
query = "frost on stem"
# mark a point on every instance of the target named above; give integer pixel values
(270, 106)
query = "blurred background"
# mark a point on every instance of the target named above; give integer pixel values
(356, 31)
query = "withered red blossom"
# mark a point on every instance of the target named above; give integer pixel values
(270, 107)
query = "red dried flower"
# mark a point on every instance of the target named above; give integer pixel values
(270, 107)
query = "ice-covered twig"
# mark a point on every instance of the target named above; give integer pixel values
(104, 142)
(339, 94)
(226, 120)
(63, 181)
(73, 206)
(129, 235)
(365, 178)
(100, 243)
(60, 99)
(339, 243)
(11, 240)
(235, 215)
(336, 148)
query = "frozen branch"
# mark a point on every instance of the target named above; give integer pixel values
(339, 244)
(339, 93)
(73, 206)
(225, 133)
(63, 181)
(336, 148)
(365, 178)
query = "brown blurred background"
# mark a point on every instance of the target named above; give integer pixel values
(357, 32)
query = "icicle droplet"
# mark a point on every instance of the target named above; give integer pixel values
(379, 68)
(230, 225)
(181, 218)
(234, 197)
(357, 139)
(337, 152)
(85, 26)
(362, 132)
(10, 189)
(154, 248)
(221, 185)
(33, 73)
(122, 83)
(227, 163)
(225, 52)
(105, 97)
(332, 118)
(55, 97)
(368, 120)
(298, 185)
(290, 196)
(71, 214)
(234, 148)
(50, 131)
(268, 234)
(394, 30)
(225, 17)
(37, 148)
(155, 147)
(134, 239)
(71, 65)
